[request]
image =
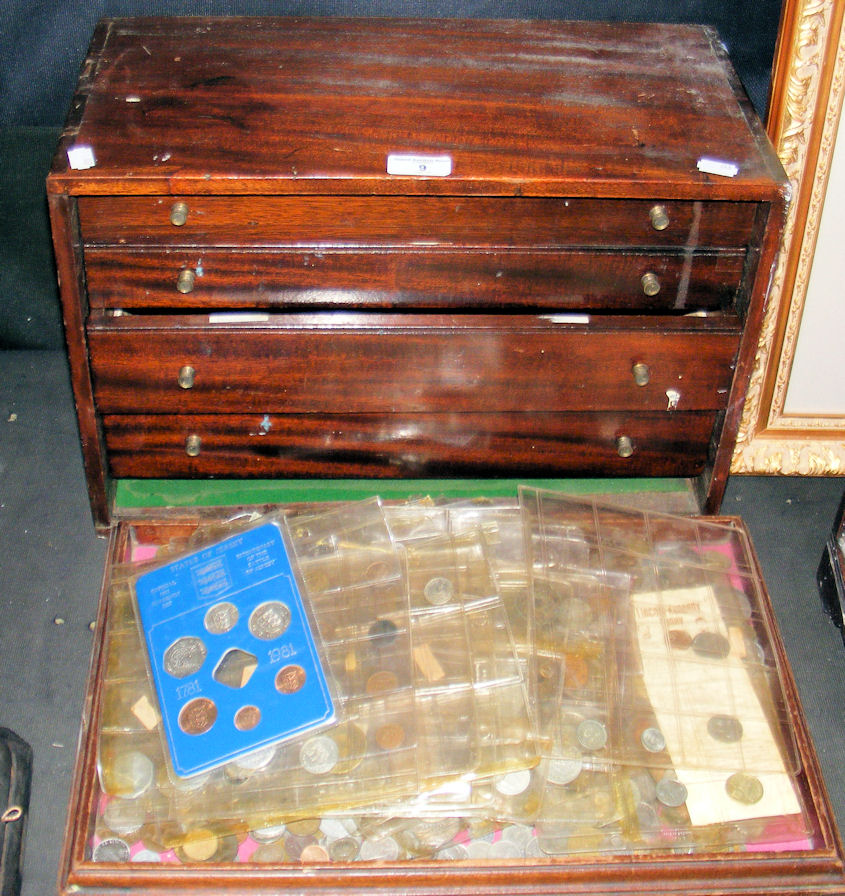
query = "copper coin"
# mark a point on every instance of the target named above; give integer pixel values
(290, 679)
(382, 681)
(197, 716)
(247, 717)
(679, 639)
(314, 853)
(390, 736)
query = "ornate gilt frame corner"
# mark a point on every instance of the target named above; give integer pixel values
(808, 82)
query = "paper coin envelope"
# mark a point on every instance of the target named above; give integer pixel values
(232, 654)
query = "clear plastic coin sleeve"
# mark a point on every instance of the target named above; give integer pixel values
(542, 677)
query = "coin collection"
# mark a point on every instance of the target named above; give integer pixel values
(511, 680)
(231, 652)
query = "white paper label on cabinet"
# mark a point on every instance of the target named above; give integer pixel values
(411, 165)
(81, 157)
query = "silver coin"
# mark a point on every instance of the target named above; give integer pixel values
(479, 849)
(591, 735)
(438, 591)
(221, 618)
(184, 657)
(146, 855)
(112, 849)
(379, 849)
(513, 783)
(652, 740)
(269, 620)
(727, 729)
(711, 645)
(344, 850)
(504, 849)
(671, 792)
(563, 771)
(131, 774)
(319, 755)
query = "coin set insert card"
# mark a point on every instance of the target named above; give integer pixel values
(231, 652)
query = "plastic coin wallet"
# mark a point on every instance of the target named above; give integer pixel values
(231, 651)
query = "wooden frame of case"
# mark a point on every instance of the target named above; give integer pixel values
(820, 870)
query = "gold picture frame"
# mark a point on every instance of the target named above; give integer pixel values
(808, 82)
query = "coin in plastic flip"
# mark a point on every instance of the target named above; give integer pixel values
(591, 734)
(438, 591)
(671, 792)
(744, 788)
(319, 755)
(727, 729)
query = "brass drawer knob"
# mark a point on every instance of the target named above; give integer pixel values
(659, 217)
(641, 373)
(624, 446)
(650, 283)
(186, 377)
(193, 444)
(178, 213)
(185, 280)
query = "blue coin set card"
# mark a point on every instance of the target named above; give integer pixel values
(233, 658)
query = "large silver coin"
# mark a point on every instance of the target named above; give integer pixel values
(591, 735)
(379, 849)
(563, 771)
(221, 618)
(184, 657)
(671, 792)
(652, 740)
(438, 591)
(319, 755)
(112, 849)
(269, 620)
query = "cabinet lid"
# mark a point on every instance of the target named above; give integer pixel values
(330, 105)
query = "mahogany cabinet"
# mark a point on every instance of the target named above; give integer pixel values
(411, 248)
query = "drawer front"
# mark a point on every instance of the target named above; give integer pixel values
(378, 445)
(597, 280)
(411, 221)
(403, 363)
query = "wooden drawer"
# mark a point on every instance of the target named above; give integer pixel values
(403, 363)
(413, 277)
(411, 221)
(387, 445)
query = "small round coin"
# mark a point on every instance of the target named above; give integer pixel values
(184, 657)
(269, 620)
(724, 728)
(744, 788)
(313, 852)
(679, 639)
(383, 632)
(382, 681)
(290, 679)
(319, 755)
(671, 792)
(247, 717)
(390, 736)
(221, 618)
(652, 740)
(564, 770)
(112, 849)
(438, 591)
(513, 783)
(197, 716)
(344, 850)
(711, 645)
(591, 734)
